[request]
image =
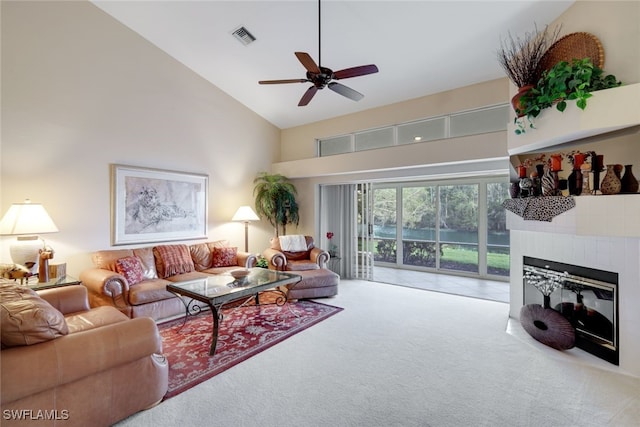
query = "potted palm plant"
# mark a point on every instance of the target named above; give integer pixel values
(275, 200)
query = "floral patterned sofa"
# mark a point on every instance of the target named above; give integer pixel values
(135, 280)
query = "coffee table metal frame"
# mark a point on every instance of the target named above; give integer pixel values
(218, 290)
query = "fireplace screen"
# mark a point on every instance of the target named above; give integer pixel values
(586, 297)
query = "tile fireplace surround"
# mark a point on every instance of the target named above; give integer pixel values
(600, 232)
(616, 254)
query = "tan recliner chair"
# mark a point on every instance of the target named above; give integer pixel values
(306, 260)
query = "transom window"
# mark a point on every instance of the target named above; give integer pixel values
(474, 122)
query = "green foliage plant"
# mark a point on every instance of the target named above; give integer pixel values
(275, 200)
(564, 81)
(420, 253)
(385, 251)
(262, 262)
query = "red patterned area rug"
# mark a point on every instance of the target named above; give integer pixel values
(244, 332)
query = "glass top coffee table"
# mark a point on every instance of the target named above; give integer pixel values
(220, 289)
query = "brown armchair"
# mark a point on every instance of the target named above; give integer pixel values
(88, 366)
(304, 256)
(306, 260)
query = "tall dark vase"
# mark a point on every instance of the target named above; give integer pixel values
(538, 182)
(575, 182)
(629, 182)
(514, 189)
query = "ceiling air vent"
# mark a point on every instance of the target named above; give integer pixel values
(244, 36)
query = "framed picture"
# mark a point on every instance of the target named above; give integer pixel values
(154, 205)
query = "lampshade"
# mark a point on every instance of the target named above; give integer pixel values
(26, 218)
(245, 213)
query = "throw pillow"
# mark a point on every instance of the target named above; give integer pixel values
(224, 257)
(201, 256)
(28, 319)
(218, 244)
(131, 268)
(172, 260)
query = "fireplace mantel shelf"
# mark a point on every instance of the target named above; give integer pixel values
(592, 216)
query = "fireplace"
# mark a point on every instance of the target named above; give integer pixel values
(587, 297)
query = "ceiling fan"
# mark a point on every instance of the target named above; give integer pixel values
(322, 77)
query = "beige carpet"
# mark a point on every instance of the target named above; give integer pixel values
(398, 356)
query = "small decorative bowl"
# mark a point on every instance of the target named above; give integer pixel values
(239, 274)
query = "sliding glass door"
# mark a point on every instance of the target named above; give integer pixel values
(497, 233)
(384, 230)
(448, 226)
(363, 226)
(419, 217)
(458, 227)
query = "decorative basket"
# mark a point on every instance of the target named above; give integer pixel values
(572, 46)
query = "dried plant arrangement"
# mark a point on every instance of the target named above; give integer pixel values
(519, 57)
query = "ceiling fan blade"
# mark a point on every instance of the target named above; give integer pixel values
(355, 71)
(345, 91)
(276, 82)
(308, 62)
(307, 96)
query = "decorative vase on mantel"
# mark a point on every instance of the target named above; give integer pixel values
(514, 190)
(610, 183)
(575, 182)
(629, 182)
(575, 178)
(538, 182)
(617, 169)
(549, 187)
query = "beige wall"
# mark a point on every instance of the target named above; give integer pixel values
(80, 91)
(615, 23)
(299, 142)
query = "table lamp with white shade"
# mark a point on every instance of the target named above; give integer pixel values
(245, 214)
(27, 220)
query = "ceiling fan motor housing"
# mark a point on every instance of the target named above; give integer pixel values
(322, 79)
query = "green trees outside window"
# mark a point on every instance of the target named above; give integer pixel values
(440, 226)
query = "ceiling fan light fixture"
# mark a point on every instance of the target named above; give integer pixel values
(243, 36)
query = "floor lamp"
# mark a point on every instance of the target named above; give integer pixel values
(245, 214)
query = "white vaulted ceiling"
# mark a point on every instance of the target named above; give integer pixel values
(420, 47)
